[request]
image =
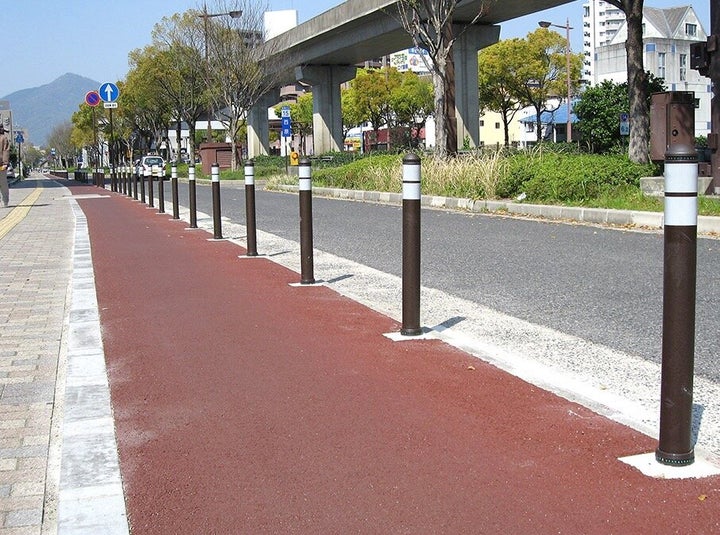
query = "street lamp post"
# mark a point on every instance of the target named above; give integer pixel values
(206, 16)
(547, 24)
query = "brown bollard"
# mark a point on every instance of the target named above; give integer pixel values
(411, 247)
(306, 224)
(151, 187)
(143, 179)
(193, 196)
(217, 220)
(174, 184)
(250, 208)
(135, 180)
(161, 190)
(675, 446)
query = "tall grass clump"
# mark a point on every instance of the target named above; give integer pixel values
(473, 175)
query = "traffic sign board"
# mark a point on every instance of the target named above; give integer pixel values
(19, 138)
(110, 105)
(285, 112)
(109, 92)
(92, 98)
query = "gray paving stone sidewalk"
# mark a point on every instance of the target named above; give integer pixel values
(59, 470)
(34, 276)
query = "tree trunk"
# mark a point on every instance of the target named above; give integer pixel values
(440, 118)
(449, 76)
(637, 86)
(538, 122)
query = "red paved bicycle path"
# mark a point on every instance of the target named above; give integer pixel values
(245, 405)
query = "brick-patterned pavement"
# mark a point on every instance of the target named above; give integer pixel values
(36, 249)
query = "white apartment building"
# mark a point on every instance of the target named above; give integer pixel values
(667, 36)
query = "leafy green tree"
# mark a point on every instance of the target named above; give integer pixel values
(143, 100)
(599, 112)
(301, 113)
(500, 73)
(372, 90)
(544, 72)
(88, 130)
(412, 103)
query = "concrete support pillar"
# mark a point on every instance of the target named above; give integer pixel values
(258, 133)
(327, 112)
(465, 53)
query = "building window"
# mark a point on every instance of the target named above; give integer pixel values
(683, 67)
(650, 47)
(482, 122)
(586, 11)
(691, 29)
(497, 126)
(661, 65)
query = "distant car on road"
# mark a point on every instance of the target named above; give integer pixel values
(10, 172)
(153, 161)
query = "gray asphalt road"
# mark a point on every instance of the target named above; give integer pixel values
(603, 285)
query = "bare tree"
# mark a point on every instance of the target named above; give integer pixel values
(430, 24)
(180, 41)
(237, 78)
(637, 80)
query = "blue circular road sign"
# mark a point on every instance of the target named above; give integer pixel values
(109, 92)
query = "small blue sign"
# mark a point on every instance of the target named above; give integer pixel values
(109, 92)
(19, 138)
(286, 125)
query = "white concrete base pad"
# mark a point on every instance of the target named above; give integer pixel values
(399, 337)
(301, 285)
(243, 256)
(646, 463)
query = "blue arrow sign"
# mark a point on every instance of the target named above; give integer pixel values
(109, 92)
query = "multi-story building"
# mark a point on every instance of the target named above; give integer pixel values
(601, 22)
(667, 36)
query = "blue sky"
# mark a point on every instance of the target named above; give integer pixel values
(44, 39)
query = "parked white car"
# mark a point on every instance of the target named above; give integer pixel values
(153, 161)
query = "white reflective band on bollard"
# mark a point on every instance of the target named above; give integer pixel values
(411, 182)
(681, 186)
(191, 173)
(215, 173)
(681, 211)
(249, 175)
(681, 178)
(305, 174)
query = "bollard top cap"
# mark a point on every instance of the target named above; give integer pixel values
(249, 163)
(411, 159)
(304, 161)
(681, 153)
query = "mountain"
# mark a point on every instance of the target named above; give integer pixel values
(40, 109)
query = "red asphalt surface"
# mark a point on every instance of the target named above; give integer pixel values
(245, 405)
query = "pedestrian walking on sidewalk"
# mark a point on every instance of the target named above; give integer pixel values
(4, 162)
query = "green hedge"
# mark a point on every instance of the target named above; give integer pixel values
(570, 178)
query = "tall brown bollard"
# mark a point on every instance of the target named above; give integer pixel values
(411, 247)
(307, 266)
(174, 185)
(161, 190)
(151, 186)
(192, 193)
(250, 208)
(675, 445)
(217, 220)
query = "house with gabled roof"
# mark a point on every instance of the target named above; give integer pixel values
(667, 36)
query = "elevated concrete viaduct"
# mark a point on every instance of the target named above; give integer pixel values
(323, 52)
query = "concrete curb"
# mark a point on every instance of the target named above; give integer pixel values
(600, 216)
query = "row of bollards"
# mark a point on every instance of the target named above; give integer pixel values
(675, 445)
